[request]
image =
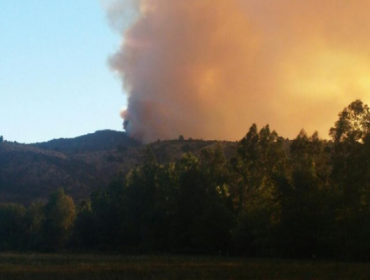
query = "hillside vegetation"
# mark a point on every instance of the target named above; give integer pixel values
(30, 173)
(269, 197)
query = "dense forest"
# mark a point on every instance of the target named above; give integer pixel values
(307, 199)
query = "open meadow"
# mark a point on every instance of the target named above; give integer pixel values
(55, 267)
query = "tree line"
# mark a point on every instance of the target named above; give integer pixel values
(305, 198)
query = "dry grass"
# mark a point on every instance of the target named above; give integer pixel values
(54, 267)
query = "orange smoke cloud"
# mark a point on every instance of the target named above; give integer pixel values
(209, 69)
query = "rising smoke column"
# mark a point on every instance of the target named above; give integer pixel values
(211, 68)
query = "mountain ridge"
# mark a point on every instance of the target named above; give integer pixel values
(99, 140)
(81, 165)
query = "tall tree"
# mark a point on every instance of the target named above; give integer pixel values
(60, 214)
(350, 177)
(12, 227)
(353, 123)
(34, 221)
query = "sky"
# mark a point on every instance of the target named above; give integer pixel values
(210, 69)
(200, 68)
(55, 81)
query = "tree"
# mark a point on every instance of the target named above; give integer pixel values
(84, 232)
(259, 156)
(60, 215)
(351, 174)
(34, 221)
(353, 123)
(350, 137)
(12, 226)
(108, 215)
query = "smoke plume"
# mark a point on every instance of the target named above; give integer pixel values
(210, 68)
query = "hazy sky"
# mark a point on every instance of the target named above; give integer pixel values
(54, 78)
(209, 69)
(202, 68)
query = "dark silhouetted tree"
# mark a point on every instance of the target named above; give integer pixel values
(12, 228)
(34, 221)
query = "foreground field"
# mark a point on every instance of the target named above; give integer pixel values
(55, 267)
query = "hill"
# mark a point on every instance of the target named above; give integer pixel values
(98, 141)
(82, 164)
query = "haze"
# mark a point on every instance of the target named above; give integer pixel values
(209, 69)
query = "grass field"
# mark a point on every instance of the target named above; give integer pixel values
(55, 267)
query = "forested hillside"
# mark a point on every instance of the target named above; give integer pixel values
(30, 173)
(104, 140)
(307, 198)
